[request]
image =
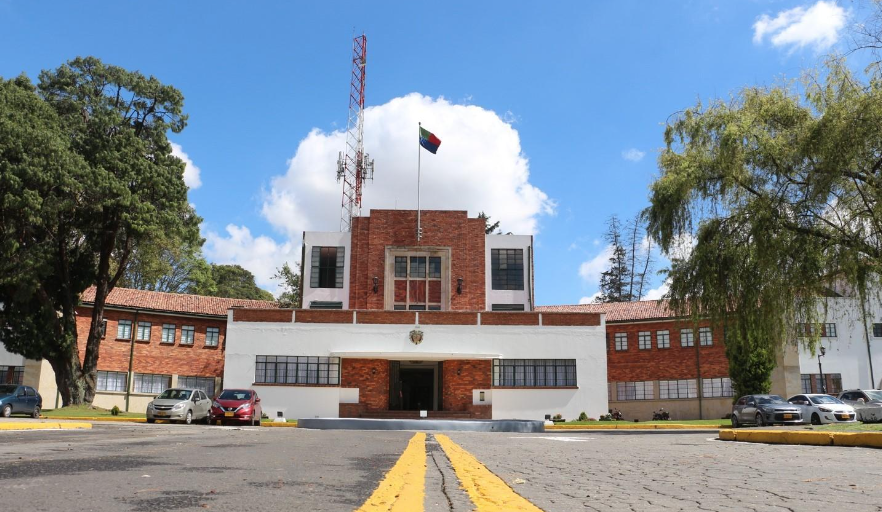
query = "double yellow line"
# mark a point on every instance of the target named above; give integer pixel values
(403, 487)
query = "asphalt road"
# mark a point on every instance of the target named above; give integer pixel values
(137, 467)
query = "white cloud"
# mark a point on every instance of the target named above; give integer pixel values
(818, 26)
(191, 172)
(261, 255)
(590, 270)
(657, 293)
(633, 154)
(479, 167)
(681, 247)
(590, 299)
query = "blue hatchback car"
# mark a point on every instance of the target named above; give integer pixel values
(16, 399)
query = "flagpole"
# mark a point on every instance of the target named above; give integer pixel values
(419, 165)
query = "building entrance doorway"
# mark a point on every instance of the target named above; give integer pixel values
(414, 385)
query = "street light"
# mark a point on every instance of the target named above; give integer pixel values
(821, 370)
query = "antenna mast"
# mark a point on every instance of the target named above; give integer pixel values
(355, 166)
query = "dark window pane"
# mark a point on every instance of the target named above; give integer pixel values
(507, 269)
(434, 267)
(417, 266)
(400, 266)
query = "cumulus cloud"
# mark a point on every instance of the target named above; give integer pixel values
(633, 154)
(657, 293)
(681, 247)
(479, 167)
(191, 171)
(590, 270)
(261, 254)
(590, 299)
(818, 26)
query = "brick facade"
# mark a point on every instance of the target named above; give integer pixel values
(460, 378)
(371, 377)
(397, 228)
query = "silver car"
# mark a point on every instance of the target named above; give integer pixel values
(180, 404)
(762, 410)
(867, 403)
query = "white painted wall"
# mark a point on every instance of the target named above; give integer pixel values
(246, 340)
(847, 353)
(524, 242)
(326, 239)
(10, 359)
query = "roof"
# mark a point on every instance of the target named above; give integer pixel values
(619, 311)
(175, 302)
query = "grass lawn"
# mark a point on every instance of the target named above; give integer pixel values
(707, 423)
(85, 411)
(848, 427)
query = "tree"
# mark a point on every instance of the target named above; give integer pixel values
(784, 193)
(234, 282)
(615, 281)
(489, 229)
(168, 265)
(291, 295)
(125, 188)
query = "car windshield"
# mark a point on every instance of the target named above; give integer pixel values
(768, 400)
(175, 394)
(824, 399)
(874, 395)
(7, 389)
(235, 395)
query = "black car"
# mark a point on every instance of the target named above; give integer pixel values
(762, 410)
(15, 399)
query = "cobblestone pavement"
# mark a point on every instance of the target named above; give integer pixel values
(678, 471)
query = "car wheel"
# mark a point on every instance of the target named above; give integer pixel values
(36, 413)
(816, 420)
(188, 419)
(151, 420)
(734, 421)
(760, 421)
(7, 410)
(207, 419)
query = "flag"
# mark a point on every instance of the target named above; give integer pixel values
(429, 141)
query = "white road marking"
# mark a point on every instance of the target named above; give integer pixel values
(557, 438)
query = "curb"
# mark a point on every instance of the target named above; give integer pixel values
(852, 439)
(96, 418)
(635, 426)
(50, 425)
(278, 425)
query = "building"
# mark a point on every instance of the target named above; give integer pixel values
(152, 341)
(395, 324)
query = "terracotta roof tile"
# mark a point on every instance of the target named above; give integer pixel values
(175, 302)
(619, 311)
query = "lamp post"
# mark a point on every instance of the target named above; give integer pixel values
(821, 370)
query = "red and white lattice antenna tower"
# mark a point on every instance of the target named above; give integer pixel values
(354, 166)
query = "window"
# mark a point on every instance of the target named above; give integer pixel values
(811, 383)
(507, 269)
(828, 331)
(112, 381)
(204, 383)
(168, 333)
(705, 336)
(506, 307)
(717, 388)
(635, 391)
(143, 331)
(644, 340)
(297, 370)
(687, 338)
(877, 330)
(324, 304)
(684, 388)
(124, 330)
(663, 339)
(529, 373)
(419, 281)
(806, 380)
(212, 336)
(103, 328)
(11, 374)
(327, 267)
(188, 333)
(621, 339)
(151, 383)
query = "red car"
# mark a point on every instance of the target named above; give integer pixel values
(239, 405)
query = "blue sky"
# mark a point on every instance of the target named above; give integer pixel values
(550, 114)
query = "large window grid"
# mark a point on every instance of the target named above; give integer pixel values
(828, 330)
(877, 330)
(212, 336)
(417, 282)
(327, 267)
(204, 383)
(151, 383)
(811, 383)
(684, 388)
(717, 387)
(644, 340)
(687, 338)
(663, 339)
(297, 370)
(507, 269)
(705, 336)
(534, 372)
(621, 341)
(112, 381)
(11, 374)
(641, 390)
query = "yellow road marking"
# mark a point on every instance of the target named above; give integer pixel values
(488, 492)
(403, 489)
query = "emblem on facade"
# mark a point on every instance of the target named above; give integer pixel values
(416, 336)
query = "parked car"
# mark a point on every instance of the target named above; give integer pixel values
(240, 405)
(818, 409)
(15, 399)
(762, 410)
(180, 404)
(867, 403)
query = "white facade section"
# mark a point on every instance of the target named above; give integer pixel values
(10, 359)
(848, 352)
(325, 239)
(525, 296)
(587, 345)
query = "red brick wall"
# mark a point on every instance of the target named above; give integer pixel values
(663, 364)
(457, 392)
(262, 315)
(153, 356)
(371, 377)
(453, 229)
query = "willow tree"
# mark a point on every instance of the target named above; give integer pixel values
(781, 189)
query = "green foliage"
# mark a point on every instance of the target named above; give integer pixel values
(583, 416)
(291, 294)
(114, 411)
(234, 282)
(167, 264)
(615, 281)
(489, 229)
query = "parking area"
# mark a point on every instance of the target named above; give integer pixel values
(137, 467)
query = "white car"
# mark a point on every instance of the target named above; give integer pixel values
(819, 409)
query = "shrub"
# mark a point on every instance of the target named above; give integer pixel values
(115, 411)
(583, 416)
(557, 417)
(605, 417)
